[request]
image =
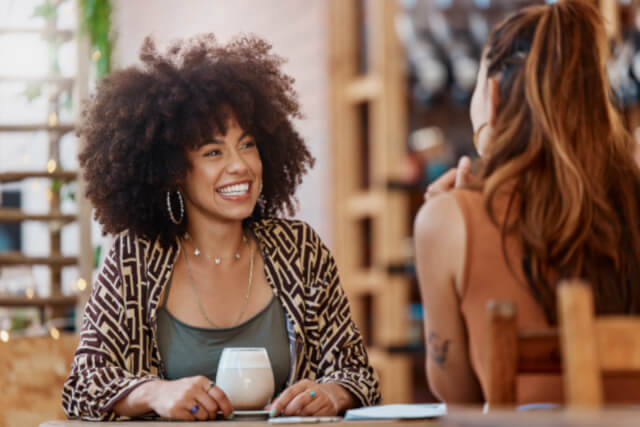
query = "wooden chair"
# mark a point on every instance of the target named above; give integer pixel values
(593, 345)
(512, 352)
(33, 372)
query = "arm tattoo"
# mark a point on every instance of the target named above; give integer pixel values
(437, 348)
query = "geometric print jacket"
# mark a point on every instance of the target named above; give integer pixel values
(118, 348)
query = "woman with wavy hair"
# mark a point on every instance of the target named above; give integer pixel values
(557, 195)
(190, 160)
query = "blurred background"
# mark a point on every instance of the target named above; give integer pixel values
(384, 85)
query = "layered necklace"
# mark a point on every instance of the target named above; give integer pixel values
(195, 290)
(215, 260)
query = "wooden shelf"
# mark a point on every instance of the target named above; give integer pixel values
(22, 301)
(19, 176)
(16, 215)
(62, 34)
(64, 128)
(365, 204)
(62, 81)
(365, 282)
(411, 187)
(363, 89)
(19, 259)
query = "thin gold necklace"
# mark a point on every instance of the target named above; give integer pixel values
(215, 260)
(198, 299)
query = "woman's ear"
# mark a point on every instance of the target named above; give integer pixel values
(494, 99)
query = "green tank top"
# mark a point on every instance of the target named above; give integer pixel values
(189, 350)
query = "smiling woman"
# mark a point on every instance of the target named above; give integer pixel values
(190, 160)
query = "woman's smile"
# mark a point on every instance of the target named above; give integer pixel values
(239, 191)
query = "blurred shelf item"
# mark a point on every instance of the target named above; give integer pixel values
(411, 348)
(428, 143)
(412, 187)
(16, 215)
(408, 269)
(18, 176)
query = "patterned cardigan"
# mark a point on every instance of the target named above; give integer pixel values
(118, 347)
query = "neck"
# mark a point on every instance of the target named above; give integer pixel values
(216, 239)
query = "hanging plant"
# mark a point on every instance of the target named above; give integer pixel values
(96, 23)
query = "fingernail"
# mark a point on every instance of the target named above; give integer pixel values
(273, 412)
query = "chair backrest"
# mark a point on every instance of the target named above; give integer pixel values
(33, 372)
(512, 352)
(593, 345)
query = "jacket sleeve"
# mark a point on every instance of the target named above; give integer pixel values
(99, 375)
(343, 358)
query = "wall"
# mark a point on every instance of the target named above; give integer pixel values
(298, 31)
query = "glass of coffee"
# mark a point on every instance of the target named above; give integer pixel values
(246, 377)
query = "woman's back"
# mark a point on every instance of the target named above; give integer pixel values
(487, 275)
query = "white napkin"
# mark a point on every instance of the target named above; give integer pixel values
(397, 411)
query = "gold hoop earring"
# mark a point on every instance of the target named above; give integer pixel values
(476, 136)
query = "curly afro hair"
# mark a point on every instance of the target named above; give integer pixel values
(143, 119)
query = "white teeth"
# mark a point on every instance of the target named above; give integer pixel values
(235, 189)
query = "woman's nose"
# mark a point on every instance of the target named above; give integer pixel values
(237, 163)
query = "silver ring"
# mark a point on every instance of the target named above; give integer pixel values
(194, 409)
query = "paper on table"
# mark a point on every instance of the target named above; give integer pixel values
(397, 411)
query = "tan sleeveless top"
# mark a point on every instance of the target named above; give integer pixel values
(487, 276)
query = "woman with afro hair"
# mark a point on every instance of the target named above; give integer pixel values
(190, 161)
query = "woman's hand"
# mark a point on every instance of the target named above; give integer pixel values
(308, 398)
(192, 398)
(453, 178)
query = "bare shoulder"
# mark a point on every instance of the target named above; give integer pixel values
(439, 218)
(440, 237)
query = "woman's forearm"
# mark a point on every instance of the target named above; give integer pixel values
(139, 401)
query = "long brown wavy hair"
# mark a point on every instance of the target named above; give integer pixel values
(560, 142)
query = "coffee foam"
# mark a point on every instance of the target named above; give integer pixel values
(245, 358)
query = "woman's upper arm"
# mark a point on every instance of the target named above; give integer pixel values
(440, 239)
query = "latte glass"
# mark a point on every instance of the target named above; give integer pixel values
(246, 377)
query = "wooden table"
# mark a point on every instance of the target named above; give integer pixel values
(412, 423)
(457, 417)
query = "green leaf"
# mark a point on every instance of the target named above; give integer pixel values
(70, 194)
(20, 321)
(67, 102)
(96, 256)
(47, 10)
(96, 17)
(33, 91)
(56, 185)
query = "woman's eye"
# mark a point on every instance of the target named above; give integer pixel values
(248, 144)
(212, 153)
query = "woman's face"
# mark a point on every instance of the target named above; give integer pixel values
(481, 109)
(225, 177)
